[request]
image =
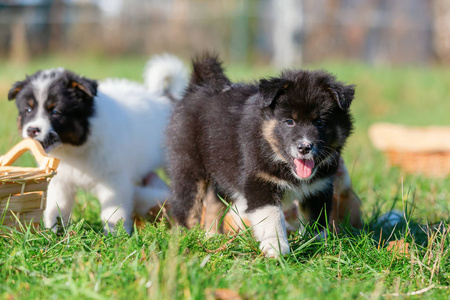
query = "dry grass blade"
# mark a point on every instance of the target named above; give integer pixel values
(440, 253)
(224, 246)
(414, 293)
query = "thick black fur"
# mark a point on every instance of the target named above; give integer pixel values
(216, 136)
(69, 104)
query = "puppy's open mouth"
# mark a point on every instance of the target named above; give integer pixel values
(304, 168)
(51, 142)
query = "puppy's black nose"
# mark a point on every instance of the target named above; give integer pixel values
(304, 148)
(32, 132)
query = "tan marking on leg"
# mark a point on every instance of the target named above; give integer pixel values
(212, 212)
(195, 214)
(346, 203)
(202, 219)
(268, 129)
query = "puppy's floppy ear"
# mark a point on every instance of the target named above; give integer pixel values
(87, 86)
(271, 89)
(343, 94)
(16, 88)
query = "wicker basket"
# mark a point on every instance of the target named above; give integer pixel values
(23, 190)
(419, 150)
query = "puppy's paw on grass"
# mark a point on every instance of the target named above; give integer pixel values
(274, 247)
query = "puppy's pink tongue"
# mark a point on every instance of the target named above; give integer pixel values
(303, 167)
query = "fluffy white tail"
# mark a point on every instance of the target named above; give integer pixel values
(166, 74)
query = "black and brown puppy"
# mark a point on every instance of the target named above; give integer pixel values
(256, 142)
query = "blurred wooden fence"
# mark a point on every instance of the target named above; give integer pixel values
(374, 31)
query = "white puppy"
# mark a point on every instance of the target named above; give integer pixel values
(108, 135)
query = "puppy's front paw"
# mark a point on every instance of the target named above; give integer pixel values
(274, 247)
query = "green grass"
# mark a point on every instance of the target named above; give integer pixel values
(159, 262)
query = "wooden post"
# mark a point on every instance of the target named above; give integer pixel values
(18, 51)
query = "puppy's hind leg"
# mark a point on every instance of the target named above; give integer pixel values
(187, 171)
(188, 195)
(213, 213)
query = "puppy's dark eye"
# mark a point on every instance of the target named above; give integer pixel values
(289, 122)
(29, 110)
(55, 113)
(319, 123)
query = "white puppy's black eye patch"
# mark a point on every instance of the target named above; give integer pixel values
(55, 102)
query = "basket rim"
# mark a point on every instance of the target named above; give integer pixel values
(26, 176)
(44, 161)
